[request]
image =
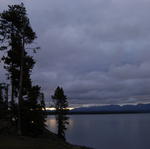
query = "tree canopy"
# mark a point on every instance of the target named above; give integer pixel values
(60, 99)
(16, 34)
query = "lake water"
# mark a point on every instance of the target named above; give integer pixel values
(114, 131)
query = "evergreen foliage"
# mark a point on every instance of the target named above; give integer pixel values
(60, 99)
(15, 31)
(61, 103)
(16, 34)
(33, 112)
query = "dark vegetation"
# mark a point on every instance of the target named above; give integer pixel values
(24, 110)
(22, 114)
(60, 104)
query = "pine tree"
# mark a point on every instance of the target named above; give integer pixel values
(15, 34)
(60, 100)
(60, 104)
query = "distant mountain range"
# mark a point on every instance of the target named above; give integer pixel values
(140, 108)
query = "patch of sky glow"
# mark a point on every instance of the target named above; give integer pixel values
(52, 109)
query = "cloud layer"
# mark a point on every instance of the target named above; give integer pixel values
(98, 50)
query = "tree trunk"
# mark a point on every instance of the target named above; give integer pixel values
(21, 90)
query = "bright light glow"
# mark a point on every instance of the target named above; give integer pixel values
(52, 109)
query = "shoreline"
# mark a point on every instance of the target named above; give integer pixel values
(48, 140)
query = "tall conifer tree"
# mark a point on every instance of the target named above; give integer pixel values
(15, 35)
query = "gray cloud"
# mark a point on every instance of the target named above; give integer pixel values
(97, 50)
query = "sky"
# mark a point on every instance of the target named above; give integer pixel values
(97, 50)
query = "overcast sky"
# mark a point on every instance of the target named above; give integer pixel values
(98, 50)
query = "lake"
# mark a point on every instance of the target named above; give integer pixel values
(107, 131)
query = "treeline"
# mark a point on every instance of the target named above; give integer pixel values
(24, 108)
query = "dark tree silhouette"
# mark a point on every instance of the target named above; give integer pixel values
(33, 112)
(3, 101)
(15, 35)
(17, 32)
(60, 103)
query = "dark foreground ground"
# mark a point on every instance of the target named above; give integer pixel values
(15, 142)
(48, 140)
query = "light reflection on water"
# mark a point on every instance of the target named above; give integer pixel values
(118, 131)
(52, 124)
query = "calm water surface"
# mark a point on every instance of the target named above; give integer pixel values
(116, 131)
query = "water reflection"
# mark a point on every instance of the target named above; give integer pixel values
(59, 124)
(62, 122)
(117, 131)
(51, 123)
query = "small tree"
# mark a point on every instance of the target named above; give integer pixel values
(60, 104)
(60, 100)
